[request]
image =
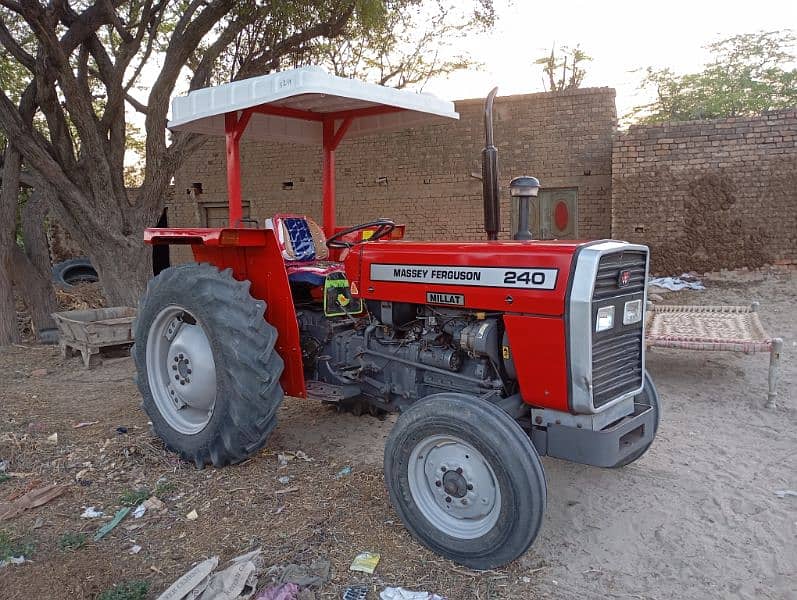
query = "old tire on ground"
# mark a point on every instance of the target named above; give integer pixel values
(73, 271)
(206, 364)
(648, 397)
(465, 480)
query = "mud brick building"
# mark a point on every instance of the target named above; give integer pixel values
(703, 194)
(709, 194)
(428, 178)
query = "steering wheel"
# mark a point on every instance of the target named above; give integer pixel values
(384, 227)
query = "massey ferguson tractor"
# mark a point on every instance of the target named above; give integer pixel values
(494, 352)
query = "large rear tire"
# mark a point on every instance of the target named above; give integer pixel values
(206, 365)
(465, 480)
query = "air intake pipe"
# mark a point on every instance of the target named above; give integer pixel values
(524, 188)
(492, 201)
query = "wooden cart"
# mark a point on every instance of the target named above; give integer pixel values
(88, 331)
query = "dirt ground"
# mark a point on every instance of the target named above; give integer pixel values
(696, 517)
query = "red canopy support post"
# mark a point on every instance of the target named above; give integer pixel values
(328, 177)
(233, 168)
(331, 140)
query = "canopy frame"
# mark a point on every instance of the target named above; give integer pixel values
(235, 124)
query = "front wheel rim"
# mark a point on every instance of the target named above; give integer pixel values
(454, 487)
(181, 371)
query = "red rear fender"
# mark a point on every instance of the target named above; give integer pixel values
(253, 255)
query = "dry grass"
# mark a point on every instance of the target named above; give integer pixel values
(239, 507)
(80, 297)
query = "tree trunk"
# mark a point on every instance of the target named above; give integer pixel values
(9, 332)
(38, 296)
(124, 268)
(36, 282)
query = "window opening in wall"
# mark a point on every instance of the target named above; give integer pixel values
(216, 214)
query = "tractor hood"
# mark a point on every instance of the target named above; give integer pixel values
(506, 276)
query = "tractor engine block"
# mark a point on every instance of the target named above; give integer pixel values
(420, 350)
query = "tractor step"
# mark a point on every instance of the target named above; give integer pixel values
(329, 392)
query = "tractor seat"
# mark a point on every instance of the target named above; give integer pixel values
(304, 249)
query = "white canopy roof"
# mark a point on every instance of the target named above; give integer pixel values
(307, 89)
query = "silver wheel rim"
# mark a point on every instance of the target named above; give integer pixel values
(180, 370)
(454, 487)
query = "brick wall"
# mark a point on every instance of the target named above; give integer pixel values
(709, 194)
(423, 177)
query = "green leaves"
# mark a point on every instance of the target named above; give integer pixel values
(397, 43)
(136, 589)
(70, 541)
(748, 74)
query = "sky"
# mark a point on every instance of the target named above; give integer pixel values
(621, 36)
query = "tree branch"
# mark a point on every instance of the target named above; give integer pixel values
(29, 144)
(139, 106)
(183, 43)
(269, 60)
(9, 43)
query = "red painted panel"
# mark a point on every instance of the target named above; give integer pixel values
(511, 254)
(561, 216)
(264, 267)
(208, 236)
(537, 345)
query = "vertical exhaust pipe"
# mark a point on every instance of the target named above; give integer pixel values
(492, 201)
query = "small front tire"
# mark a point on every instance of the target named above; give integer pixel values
(465, 480)
(648, 397)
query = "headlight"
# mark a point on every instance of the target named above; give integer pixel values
(632, 313)
(605, 318)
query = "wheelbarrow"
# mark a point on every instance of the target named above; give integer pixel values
(88, 331)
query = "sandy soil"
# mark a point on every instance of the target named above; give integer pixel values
(696, 517)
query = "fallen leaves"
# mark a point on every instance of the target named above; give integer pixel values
(33, 499)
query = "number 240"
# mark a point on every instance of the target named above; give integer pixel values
(513, 277)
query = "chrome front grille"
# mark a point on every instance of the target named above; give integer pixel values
(605, 366)
(607, 280)
(617, 367)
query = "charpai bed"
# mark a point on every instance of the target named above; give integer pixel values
(725, 328)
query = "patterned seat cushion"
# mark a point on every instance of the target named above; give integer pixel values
(303, 247)
(313, 273)
(298, 240)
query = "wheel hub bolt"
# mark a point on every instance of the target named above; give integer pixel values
(470, 486)
(448, 499)
(459, 470)
(438, 483)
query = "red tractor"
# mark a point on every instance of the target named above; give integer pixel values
(494, 352)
